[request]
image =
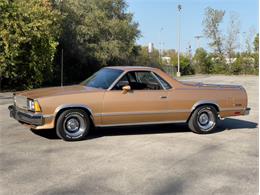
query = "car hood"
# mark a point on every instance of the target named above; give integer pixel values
(56, 91)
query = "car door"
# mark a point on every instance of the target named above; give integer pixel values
(146, 102)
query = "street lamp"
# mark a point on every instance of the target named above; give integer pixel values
(179, 43)
(198, 37)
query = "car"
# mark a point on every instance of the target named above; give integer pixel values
(127, 95)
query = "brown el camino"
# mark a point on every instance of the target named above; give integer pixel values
(119, 96)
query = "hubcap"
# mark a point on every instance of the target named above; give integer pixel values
(203, 119)
(206, 120)
(72, 124)
(75, 125)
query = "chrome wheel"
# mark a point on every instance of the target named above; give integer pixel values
(74, 125)
(206, 120)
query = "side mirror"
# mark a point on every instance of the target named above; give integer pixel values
(126, 88)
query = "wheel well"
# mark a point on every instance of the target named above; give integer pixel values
(205, 104)
(69, 108)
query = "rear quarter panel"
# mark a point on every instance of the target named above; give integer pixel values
(184, 100)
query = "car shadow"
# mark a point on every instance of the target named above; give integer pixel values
(226, 124)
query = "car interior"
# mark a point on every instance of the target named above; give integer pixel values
(138, 80)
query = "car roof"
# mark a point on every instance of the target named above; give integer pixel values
(127, 68)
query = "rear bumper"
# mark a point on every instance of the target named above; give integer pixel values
(247, 111)
(26, 117)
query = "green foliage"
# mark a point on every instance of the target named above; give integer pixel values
(143, 58)
(99, 33)
(28, 41)
(244, 64)
(256, 43)
(224, 59)
(185, 65)
(202, 61)
(185, 62)
(96, 33)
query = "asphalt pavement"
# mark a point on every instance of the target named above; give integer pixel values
(158, 159)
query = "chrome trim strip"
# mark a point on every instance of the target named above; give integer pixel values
(232, 109)
(115, 82)
(142, 113)
(142, 123)
(220, 109)
(202, 88)
(48, 116)
(158, 80)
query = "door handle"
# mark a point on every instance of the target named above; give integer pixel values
(163, 97)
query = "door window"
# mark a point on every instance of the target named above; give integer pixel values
(139, 80)
(163, 82)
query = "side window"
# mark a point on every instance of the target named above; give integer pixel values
(140, 80)
(163, 82)
(145, 81)
(121, 83)
(145, 77)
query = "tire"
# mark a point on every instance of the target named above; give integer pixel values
(73, 125)
(203, 120)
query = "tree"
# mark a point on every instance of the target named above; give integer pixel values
(185, 65)
(256, 54)
(232, 37)
(28, 39)
(96, 34)
(211, 22)
(256, 43)
(143, 58)
(202, 61)
(249, 40)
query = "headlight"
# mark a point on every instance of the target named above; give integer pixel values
(33, 105)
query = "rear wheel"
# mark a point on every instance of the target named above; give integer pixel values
(73, 125)
(203, 120)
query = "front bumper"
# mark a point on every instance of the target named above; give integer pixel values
(25, 116)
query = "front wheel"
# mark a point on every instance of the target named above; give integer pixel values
(203, 120)
(73, 125)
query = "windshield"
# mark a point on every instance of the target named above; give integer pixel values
(103, 78)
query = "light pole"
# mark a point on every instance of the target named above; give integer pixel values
(198, 37)
(61, 57)
(190, 53)
(61, 68)
(179, 43)
(160, 45)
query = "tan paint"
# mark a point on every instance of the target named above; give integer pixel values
(110, 107)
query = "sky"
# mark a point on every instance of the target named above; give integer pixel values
(158, 20)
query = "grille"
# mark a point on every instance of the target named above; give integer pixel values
(20, 101)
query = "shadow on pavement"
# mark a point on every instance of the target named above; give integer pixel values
(227, 124)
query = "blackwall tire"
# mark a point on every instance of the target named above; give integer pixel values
(73, 125)
(203, 120)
